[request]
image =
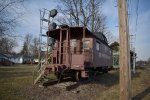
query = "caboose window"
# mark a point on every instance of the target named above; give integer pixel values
(97, 46)
(105, 49)
(73, 43)
(110, 52)
(86, 44)
(55, 44)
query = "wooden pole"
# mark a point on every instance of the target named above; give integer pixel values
(134, 60)
(124, 61)
(47, 50)
(60, 42)
(40, 39)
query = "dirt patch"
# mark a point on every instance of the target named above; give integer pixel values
(102, 87)
(83, 92)
(86, 90)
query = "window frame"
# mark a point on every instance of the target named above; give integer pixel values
(97, 46)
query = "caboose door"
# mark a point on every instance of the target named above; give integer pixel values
(63, 47)
(87, 51)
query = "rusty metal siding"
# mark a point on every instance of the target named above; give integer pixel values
(77, 59)
(77, 56)
(102, 57)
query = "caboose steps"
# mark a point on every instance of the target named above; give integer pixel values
(39, 73)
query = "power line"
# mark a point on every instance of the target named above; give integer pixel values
(129, 10)
(136, 20)
(137, 7)
(132, 24)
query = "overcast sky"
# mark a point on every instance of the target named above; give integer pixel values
(31, 22)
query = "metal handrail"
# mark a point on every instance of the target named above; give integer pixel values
(39, 71)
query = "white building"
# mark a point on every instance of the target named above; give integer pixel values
(17, 59)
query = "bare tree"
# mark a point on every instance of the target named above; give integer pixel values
(7, 45)
(27, 45)
(35, 47)
(10, 12)
(110, 37)
(24, 50)
(83, 13)
(148, 61)
(30, 46)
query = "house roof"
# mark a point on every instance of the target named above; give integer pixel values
(114, 44)
(3, 55)
(16, 56)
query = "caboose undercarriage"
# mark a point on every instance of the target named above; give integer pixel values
(74, 54)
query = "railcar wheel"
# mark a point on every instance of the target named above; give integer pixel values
(91, 75)
(78, 76)
(59, 77)
(105, 71)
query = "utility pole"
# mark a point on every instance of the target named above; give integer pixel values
(131, 42)
(134, 54)
(134, 60)
(124, 61)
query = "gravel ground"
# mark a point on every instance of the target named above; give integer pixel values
(101, 87)
(85, 90)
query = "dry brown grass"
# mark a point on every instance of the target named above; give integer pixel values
(16, 84)
(140, 87)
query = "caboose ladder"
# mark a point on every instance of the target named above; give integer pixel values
(39, 73)
(63, 48)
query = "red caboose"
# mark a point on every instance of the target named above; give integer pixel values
(76, 52)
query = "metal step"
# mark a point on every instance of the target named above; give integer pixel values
(38, 78)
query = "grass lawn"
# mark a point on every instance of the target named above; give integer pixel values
(15, 79)
(12, 80)
(140, 87)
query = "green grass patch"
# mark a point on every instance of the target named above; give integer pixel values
(12, 80)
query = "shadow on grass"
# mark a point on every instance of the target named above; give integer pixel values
(137, 74)
(141, 95)
(54, 81)
(107, 79)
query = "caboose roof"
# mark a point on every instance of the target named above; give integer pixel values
(75, 31)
